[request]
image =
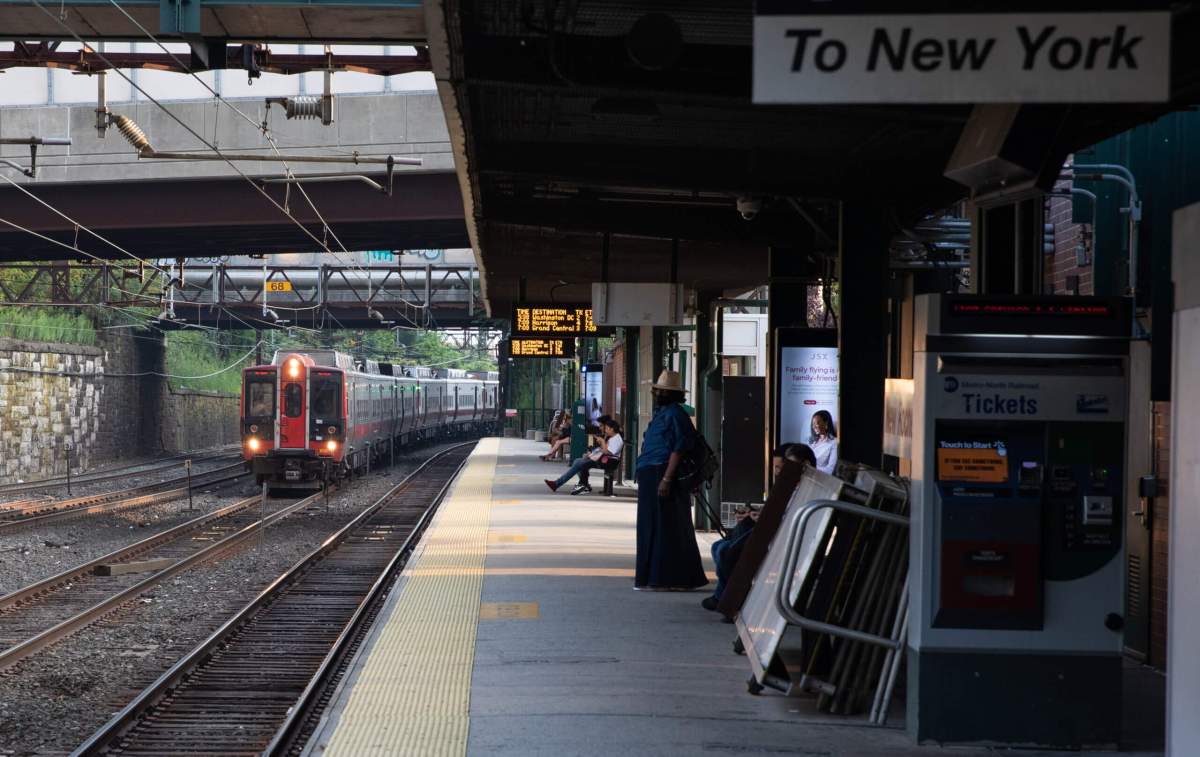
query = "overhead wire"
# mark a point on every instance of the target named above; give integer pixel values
(266, 132)
(289, 173)
(67, 27)
(81, 227)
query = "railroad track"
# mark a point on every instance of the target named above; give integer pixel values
(122, 471)
(257, 683)
(27, 513)
(50, 610)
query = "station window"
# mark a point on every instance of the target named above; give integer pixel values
(293, 401)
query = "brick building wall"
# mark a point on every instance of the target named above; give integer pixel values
(1067, 271)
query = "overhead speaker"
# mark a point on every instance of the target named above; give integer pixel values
(1008, 149)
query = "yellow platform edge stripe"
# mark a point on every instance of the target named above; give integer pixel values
(412, 696)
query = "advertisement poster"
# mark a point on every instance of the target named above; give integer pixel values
(593, 392)
(808, 383)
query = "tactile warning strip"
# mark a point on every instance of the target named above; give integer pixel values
(412, 696)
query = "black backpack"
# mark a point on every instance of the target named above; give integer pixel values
(698, 467)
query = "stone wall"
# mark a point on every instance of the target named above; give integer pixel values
(104, 401)
(50, 397)
(198, 420)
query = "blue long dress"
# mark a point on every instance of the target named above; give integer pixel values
(667, 555)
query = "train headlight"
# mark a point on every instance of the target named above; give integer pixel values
(331, 445)
(253, 444)
(293, 368)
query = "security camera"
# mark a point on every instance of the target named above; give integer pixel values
(748, 207)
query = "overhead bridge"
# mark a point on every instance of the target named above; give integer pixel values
(261, 297)
(188, 204)
(320, 21)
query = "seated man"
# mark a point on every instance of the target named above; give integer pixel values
(609, 447)
(726, 551)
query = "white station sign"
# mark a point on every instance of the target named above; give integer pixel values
(963, 58)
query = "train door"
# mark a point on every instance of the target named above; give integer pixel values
(292, 428)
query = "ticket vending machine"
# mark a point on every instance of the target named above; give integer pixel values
(1017, 558)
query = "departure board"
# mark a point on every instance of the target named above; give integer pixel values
(527, 347)
(553, 320)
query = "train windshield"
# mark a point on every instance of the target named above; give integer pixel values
(293, 401)
(260, 396)
(326, 396)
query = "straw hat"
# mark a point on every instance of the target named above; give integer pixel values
(669, 381)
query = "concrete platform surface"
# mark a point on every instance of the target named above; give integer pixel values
(568, 659)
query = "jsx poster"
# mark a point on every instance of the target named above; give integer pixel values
(808, 383)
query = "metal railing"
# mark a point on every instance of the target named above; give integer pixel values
(893, 643)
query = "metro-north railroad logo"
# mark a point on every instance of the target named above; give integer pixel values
(951, 384)
(1092, 404)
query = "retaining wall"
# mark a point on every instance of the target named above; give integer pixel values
(96, 400)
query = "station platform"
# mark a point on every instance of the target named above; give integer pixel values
(515, 631)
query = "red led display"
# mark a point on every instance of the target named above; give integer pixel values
(1083, 310)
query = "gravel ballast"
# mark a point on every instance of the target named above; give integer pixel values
(52, 701)
(31, 554)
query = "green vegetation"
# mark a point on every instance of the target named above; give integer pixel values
(208, 361)
(47, 325)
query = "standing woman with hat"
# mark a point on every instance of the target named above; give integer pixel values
(667, 555)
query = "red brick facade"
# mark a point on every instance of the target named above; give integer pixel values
(1068, 268)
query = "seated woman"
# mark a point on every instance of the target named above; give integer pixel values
(609, 447)
(559, 437)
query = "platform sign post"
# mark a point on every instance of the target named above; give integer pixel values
(262, 518)
(68, 453)
(187, 464)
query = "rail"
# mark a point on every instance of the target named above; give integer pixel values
(65, 628)
(41, 513)
(69, 576)
(121, 471)
(170, 684)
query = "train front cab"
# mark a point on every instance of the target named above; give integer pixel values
(294, 422)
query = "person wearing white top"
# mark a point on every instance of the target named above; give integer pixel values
(610, 446)
(824, 441)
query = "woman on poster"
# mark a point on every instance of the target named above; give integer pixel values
(823, 441)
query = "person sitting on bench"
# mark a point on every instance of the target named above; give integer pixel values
(609, 447)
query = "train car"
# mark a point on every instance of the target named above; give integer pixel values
(315, 415)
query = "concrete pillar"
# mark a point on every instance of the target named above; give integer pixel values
(1183, 615)
(862, 333)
